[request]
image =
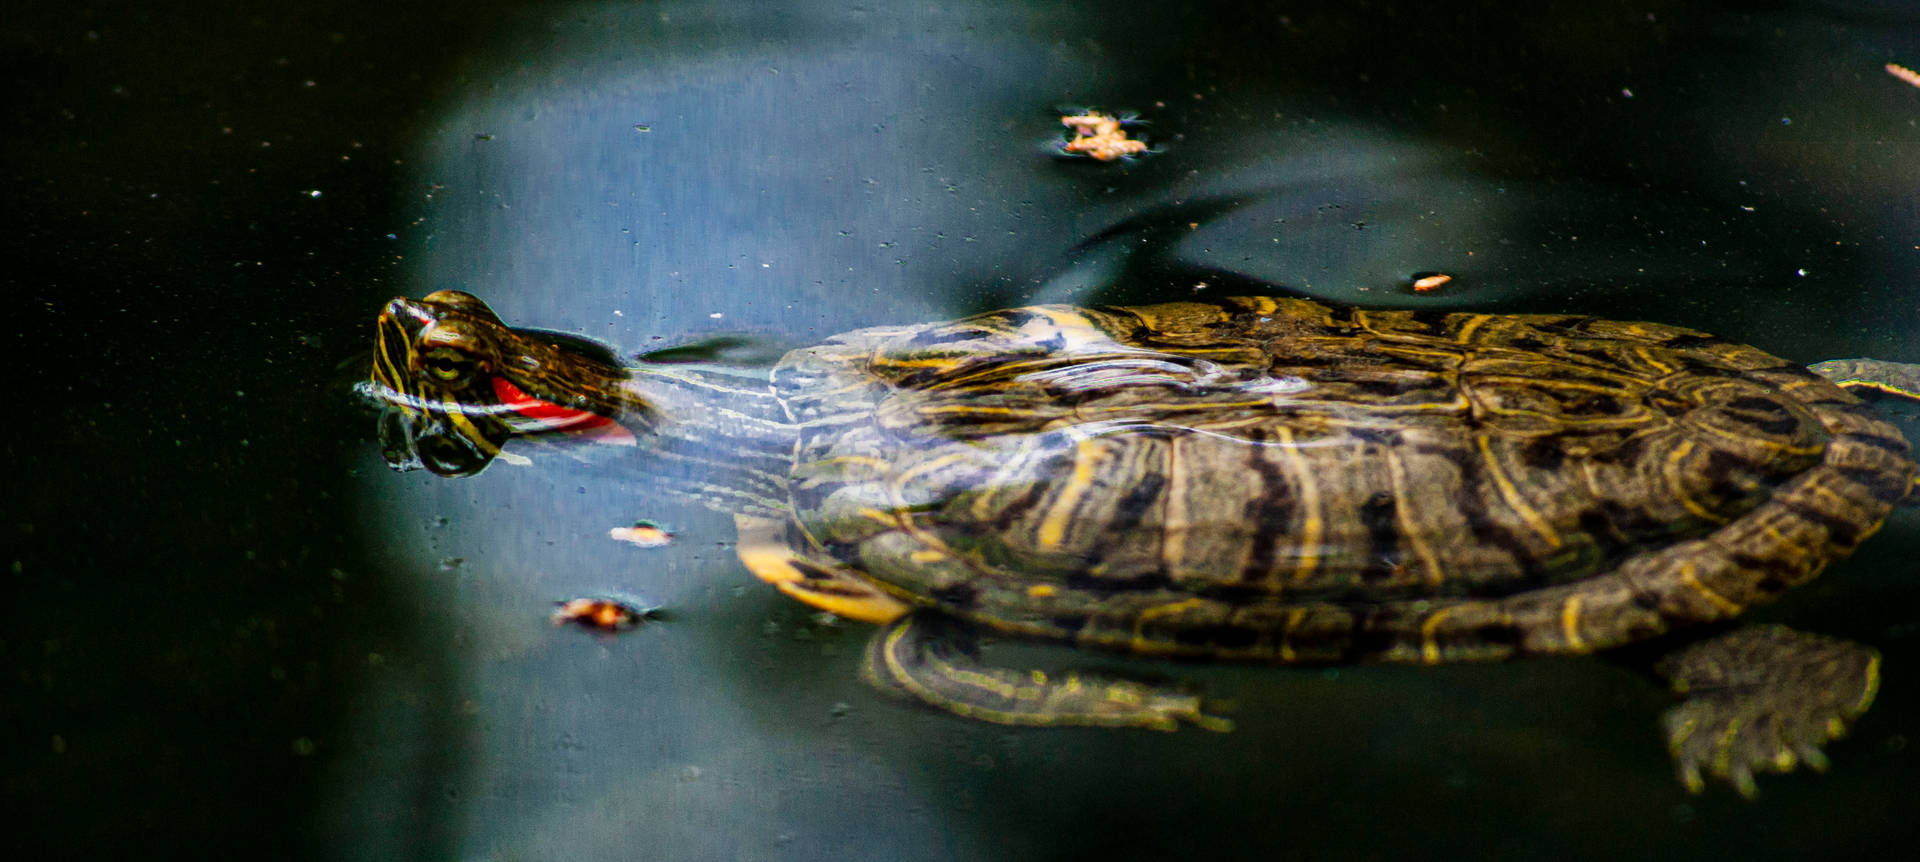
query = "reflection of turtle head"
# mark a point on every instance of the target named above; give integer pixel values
(454, 383)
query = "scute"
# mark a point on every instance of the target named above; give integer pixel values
(1067, 471)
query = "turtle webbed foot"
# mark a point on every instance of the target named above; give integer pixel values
(925, 657)
(1763, 699)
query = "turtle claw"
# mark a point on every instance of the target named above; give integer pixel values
(1722, 739)
(1763, 699)
(1161, 709)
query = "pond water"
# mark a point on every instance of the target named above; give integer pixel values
(650, 175)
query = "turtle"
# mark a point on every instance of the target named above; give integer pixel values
(1267, 480)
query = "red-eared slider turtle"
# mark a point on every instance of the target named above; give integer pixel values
(1257, 480)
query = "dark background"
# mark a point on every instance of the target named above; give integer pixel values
(194, 601)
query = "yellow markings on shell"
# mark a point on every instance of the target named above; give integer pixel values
(1459, 403)
(982, 508)
(1042, 591)
(905, 478)
(930, 465)
(1414, 352)
(878, 358)
(1178, 350)
(1053, 527)
(1076, 329)
(1511, 494)
(1570, 624)
(1473, 324)
(926, 555)
(1835, 498)
(1157, 611)
(1147, 318)
(1397, 474)
(1172, 407)
(1312, 525)
(1259, 304)
(1067, 318)
(1558, 385)
(1749, 440)
(1429, 645)
(1646, 357)
(1294, 616)
(1672, 467)
(902, 518)
(1689, 575)
(979, 410)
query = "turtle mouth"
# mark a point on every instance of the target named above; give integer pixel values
(460, 437)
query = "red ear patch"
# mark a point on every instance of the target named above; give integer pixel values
(534, 416)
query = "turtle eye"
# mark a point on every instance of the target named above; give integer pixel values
(448, 365)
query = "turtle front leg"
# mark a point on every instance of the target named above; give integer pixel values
(1898, 379)
(1763, 699)
(929, 658)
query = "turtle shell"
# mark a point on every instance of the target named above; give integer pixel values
(1279, 480)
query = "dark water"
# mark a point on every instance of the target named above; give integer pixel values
(231, 629)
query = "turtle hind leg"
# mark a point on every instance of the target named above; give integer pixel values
(1763, 699)
(929, 658)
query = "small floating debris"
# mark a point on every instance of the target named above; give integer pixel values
(1099, 136)
(1904, 73)
(646, 534)
(1427, 283)
(602, 614)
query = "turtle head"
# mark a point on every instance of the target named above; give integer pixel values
(454, 383)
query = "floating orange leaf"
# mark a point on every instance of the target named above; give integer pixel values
(604, 614)
(1099, 136)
